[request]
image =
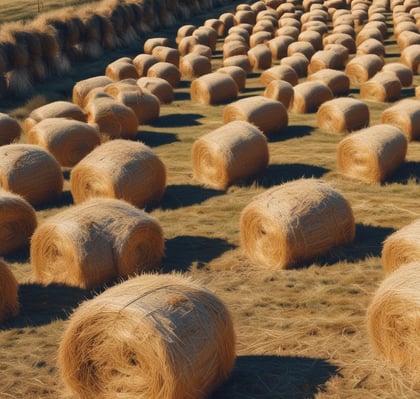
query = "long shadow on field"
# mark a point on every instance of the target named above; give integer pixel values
(275, 377)
(182, 251)
(177, 120)
(65, 199)
(409, 171)
(291, 132)
(155, 139)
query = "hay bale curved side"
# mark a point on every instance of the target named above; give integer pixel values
(213, 88)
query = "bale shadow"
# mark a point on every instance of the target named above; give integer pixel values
(407, 172)
(155, 139)
(21, 255)
(177, 120)
(66, 199)
(181, 96)
(182, 251)
(276, 377)
(291, 132)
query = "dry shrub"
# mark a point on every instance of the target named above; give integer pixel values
(184, 31)
(10, 129)
(382, 87)
(167, 335)
(324, 59)
(342, 115)
(363, 67)
(298, 62)
(337, 81)
(82, 88)
(279, 45)
(213, 88)
(410, 56)
(236, 73)
(18, 221)
(406, 116)
(67, 140)
(270, 116)
(371, 46)
(167, 71)
(193, 65)
(9, 296)
(159, 87)
(309, 95)
(153, 42)
(401, 247)
(89, 244)
(280, 90)
(295, 222)
(279, 72)
(30, 171)
(122, 68)
(237, 150)
(403, 72)
(120, 169)
(240, 60)
(260, 57)
(372, 154)
(393, 321)
(340, 38)
(114, 119)
(166, 54)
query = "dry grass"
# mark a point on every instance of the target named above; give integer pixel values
(301, 333)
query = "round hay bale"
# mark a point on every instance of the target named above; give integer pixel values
(237, 150)
(166, 54)
(159, 87)
(201, 49)
(337, 81)
(265, 25)
(279, 45)
(294, 222)
(363, 67)
(237, 74)
(260, 57)
(206, 36)
(270, 116)
(324, 59)
(301, 47)
(10, 129)
(372, 154)
(371, 46)
(213, 88)
(67, 140)
(403, 72)
(347, 29)
(167, 71)
(120, 169)
(114, 119)
(170, 336)
(340, 38)
(228, 20)
(280, 90)
(382, 87)
(30, 171)
(286, 20)
(17, 223)
(410, 56)
(82, 88)
(290, 31)
(401, 247)
(298, 62)
(241, 31)
(89, 244)
(406, 116)
(9, 296)
(240, 60)
(343, 115)
(312, 37)
(121, 69)
(245, 16)
(405, 26)
(193, 65)
(187, 44)
(309, 95)
(318, 26)
(153, 42)
(261, 37)
(407, 38)
(217, 25)
(143, 62)
(234, 47)
(392, 319)
(339, 49)
(184, 31)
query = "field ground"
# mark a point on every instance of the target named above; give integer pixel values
(301, 333)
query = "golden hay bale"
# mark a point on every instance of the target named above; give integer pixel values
(17, 222)
(312, 37)
(236, 73)
(347, 29)
(381, 25)
(67, 140)
(410, 56)
(30, 171)
(89, 244)
(291, 31)
(167, 71)
(382, 87)
(372, 154)
(407, 38)
(401, 247)
(166, 54)
(194, 65)
(319, 26)
(295, 222)
(363, 67)
(240, 60)
(217, 25)
(122, 169)
(121, 69)
(270, 116)
(228, 20)
(298, 62)
(392, 319)
(245, 16)
(143, 62)
(260, 57)
(340, 38)
(266, 25)
(184, 31)
(278, 46)
(309, 95)
(206, 36)
(159, 87)
(286, 20)
(403, 72)
(152, 42)
(202, 49)
(405, 26)
(343, 115)
(261, 37)
(213, 88)
(10, 129)
(239, 30)
(234, 47)
(301, 47)
(114, 119)
(170, 338)
(406, 116)
(280, 90)
(371, 46)
(9, 296)
(337, 81)
(341, 50)
(237, 150)
(82, 88)
(325, 59)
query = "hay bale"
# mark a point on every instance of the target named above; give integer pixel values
(309, 95)
(291, 31)
(401, 247)
(213, 88)
(280, 90)
(193, 65)
(367, 33)
(167, 71)
(17, 222)
(319, 26)
(410, 56)
(159, 87)
(371, 46)
(30, 171)
(184, 31)
(279, 72)
(268, 115)
(343, 115)
(187, 44)
(153, 42)
(228, 20)
(337, 81)
(406, 116)
(89, 244)
(312, 37)
(392, 319)
(234, 47)
(10, 129)
(260, 57)
(166, 54)
(382, 87)
(279, 45)
(261, 37)
(301, 47)
(339, 49)
(143, 62)
(324, 59)
(295, 222)
(206, 36)
(240, 60)
(237, 150)
(9, 296)
(120, 169)
(245, 16)
(407, 38)
(201, 49)
(340, 38)
(298, 62)
(363, 67)
(403, 72)
(170, 337)
(347, 29)
(372, 154)
(67, 140)
(236, 73)
(82, 88)
(122, 69)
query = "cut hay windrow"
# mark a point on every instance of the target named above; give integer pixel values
(401, 247)
(295, 222)
(67, 140)
(159, 87)
(143, 62)
(279, 72)
(382, 87)
(363, 67)
(279, 45)
(89, 244)
(237, 150)
(213, 88)
(270, 116)
(309, 95)
(372, 154)
(240, 60)
(280, 90)
(121, 169)
(298, 62)
(10, 129)
(121, 69)
(9, 295)
(337, 81)
(167, 71)
(194, 65)
(343, 115)
(82, 88)
(167, 335)
(166, 54)
(236, 73)
(403, 72)
(18, 221)
(410, 56)
(260, 57)
(30, 171)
